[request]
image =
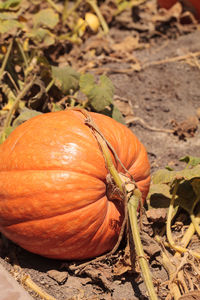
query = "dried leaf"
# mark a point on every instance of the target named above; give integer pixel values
(150, 246)
(123, 264)
(174, 12)
(194, 295)
(124, 107)
(187, 128)
(129, 44)
(157, 214)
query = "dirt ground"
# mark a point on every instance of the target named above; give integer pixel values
(164, 97)
(163, 93)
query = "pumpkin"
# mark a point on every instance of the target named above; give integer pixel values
(166, 3)
(190, 5)
(55, 199)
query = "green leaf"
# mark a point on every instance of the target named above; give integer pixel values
(99, 95)
(42, 35)
(66, 78)
(196, 186)
(191, 160)
(87, 82)
(163, 176)
(189, 174)
(8, 25)
(185, 196)
(9, 4)
(114, 113)
(56, 107)
(5, 134)
(166, 176)
(46, 17)
(25, 115)
(117, 115)
(159, 196)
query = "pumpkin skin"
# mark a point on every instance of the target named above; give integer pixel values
(53, 189)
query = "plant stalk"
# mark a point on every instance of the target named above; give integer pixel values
(53, 5)
(188, 234)
(5, 60)
(15, 106)
(170, 215)
(33, 286)
(67, 12)
(193, 218)
(132, 206)
(132, 211)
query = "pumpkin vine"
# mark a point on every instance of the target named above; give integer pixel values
(132, 197)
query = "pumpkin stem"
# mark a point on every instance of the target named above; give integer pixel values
(131, 197)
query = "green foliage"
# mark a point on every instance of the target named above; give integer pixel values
(191, 160)
(42, 35)
(47, 17)
(99, 95)
(9, 4)
(25, 115)
(113, 112)
(8, 25)
(29, 30)
(163, 182)
(66, 79)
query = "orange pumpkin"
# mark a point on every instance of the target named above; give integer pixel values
(54, 198)
(191, 5)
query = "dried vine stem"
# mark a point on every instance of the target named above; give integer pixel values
(5, 60)
(132, 197)
(193, 226)
(15, 106)
(98, 133)
(171, 59)
(27, 281)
